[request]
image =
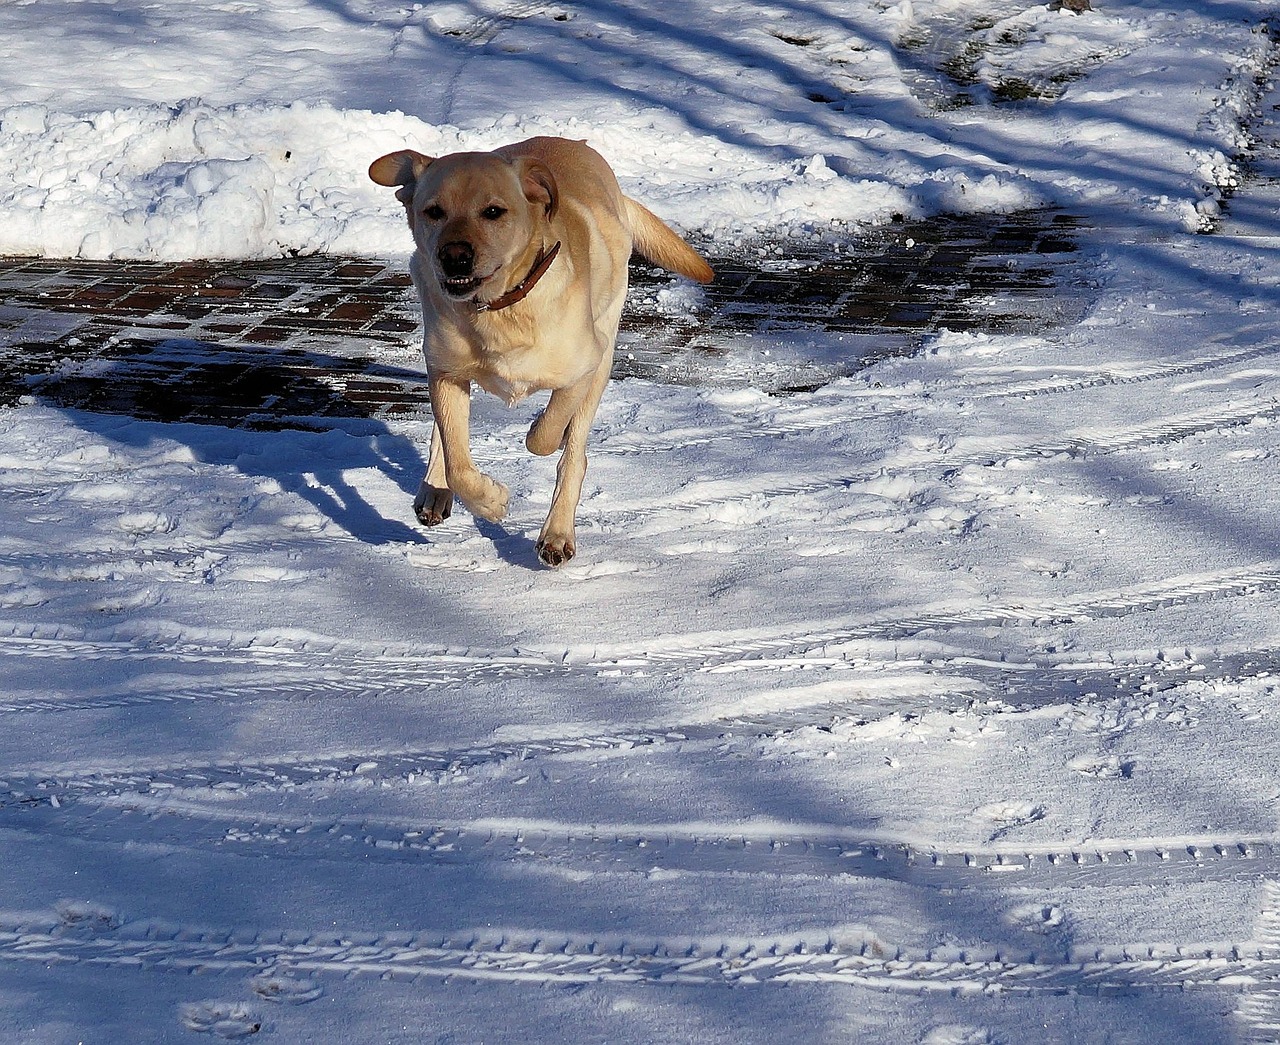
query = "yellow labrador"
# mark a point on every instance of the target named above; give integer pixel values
(521, 264)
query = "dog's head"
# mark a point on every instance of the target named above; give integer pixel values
(474, 215)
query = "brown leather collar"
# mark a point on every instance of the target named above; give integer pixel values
(521, 290)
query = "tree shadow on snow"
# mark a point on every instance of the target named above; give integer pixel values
(281, 415)
(953, 917)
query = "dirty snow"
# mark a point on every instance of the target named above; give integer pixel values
(934, 705)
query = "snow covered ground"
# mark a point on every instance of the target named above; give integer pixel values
(935, 705)
(133, 129)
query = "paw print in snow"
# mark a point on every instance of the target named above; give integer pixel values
(82, 918)
(225, 1019)
(286, 988)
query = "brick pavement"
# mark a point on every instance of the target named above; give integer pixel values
(301, 342)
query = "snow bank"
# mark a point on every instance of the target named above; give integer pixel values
(249, 134)
(194, 181)
(257, 180)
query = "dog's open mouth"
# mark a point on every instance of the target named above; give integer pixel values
(461, 286)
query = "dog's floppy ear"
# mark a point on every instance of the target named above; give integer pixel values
(401, 168)
(539, 186)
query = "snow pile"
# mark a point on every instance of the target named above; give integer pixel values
(192, 181)
(769, 122)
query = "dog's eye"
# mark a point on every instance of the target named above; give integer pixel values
(493, 212)
(435, 212)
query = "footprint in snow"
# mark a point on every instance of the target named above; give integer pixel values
(304, 523)
(1010, 814)
(285, 987)
(1042, 919)
(142, 523)
(222, 1018)
(956, 1034)
(1048, 567)
(264, 574)
(588, 571)
(83, 918)
(1104, 767)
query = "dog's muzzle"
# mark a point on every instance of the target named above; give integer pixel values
(457, 265)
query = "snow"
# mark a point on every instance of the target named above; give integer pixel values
(933, 705)
(137, 130)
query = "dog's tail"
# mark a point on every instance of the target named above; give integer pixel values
(663, 247)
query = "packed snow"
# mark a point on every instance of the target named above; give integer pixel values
(933, 705)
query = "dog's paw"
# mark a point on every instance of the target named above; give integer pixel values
(556, 550)
(483, 497)
(433, 505)
(542, 438)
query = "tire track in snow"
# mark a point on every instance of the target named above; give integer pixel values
(1082, 442)
(251, 649)
(299, 668)
(628, 445)
(1010, 387)
(943, 686)
(728, 653)
(59, 789)
(380, 767)
(553, 957)
(687, 848)
(1159, 371)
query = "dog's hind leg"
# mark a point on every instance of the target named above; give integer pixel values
(557, 543)
(434, 503)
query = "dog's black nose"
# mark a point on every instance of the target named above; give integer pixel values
(456, 259)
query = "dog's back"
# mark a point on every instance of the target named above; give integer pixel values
(583, 174)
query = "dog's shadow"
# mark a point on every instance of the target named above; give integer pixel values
(515, 549)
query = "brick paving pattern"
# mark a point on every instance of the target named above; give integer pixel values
(292, 342)
(1000, 274)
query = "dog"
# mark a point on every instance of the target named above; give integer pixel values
(520, 262)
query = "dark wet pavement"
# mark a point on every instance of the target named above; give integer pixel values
(879, 296)
(300, 342)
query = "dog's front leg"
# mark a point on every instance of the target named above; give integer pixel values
(451, 406)
(557, 543)
(546, 434)
(434, 503)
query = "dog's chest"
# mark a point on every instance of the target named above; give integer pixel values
(513, 368)
(519, 371)
(509, 390)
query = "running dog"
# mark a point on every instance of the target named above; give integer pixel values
(520, 261)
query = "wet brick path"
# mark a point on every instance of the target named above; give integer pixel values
(876, 297)
(258, 344)
(293, 342)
